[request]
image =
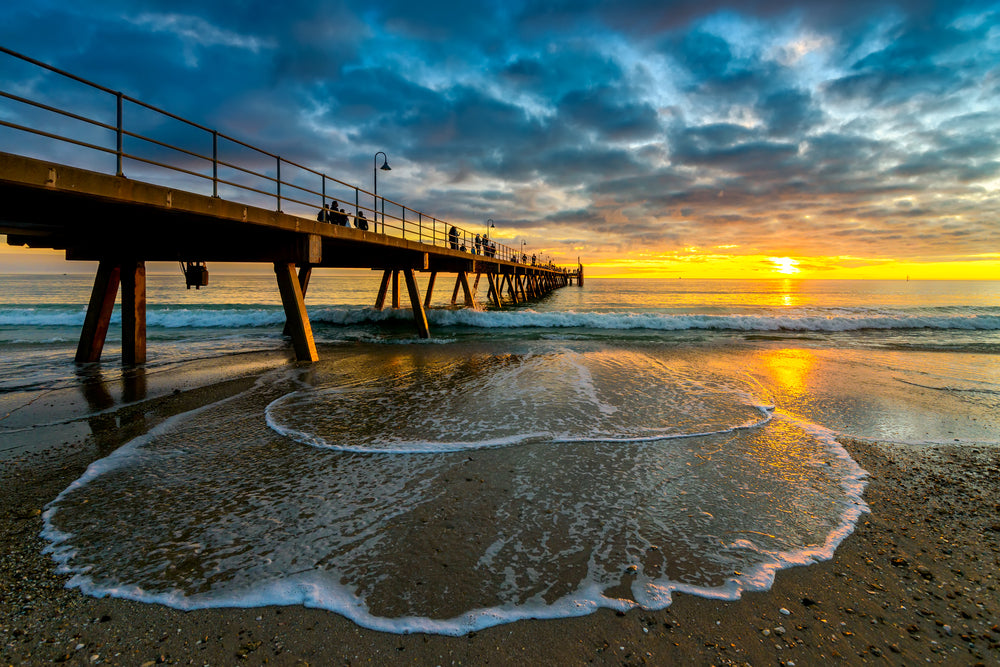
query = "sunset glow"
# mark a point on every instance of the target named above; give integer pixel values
(784, 264)
(813, 141)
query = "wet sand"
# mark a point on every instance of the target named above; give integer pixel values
(916, 581)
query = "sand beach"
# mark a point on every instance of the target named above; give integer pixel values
(916, 582)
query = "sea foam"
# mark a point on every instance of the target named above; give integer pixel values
(214, 508)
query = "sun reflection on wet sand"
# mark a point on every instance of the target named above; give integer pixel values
(791, 370)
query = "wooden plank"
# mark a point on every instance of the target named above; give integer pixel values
(102, 302)
(133, 288)
(382, 288)
(430, 289)
(470, 296)
(419, 316)
(295, 312)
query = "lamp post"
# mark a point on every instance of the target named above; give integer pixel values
(385, 167)
(523, 243)
(489, 226)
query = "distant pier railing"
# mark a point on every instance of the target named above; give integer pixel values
(155, 145)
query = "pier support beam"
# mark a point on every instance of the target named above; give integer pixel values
(102, 302)
(382, 289)
(470, 296)
(295, 312)
(430, 289)
(395, 289)
(305, 272)
(133, 285)
(494, 281)
(418, 309)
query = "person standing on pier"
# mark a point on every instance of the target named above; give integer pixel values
(479, 245)
(453, 237)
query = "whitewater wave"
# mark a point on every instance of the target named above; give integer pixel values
(834, 321)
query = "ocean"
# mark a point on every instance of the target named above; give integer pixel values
(605, 446)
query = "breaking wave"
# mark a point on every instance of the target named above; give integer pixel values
(249, 317)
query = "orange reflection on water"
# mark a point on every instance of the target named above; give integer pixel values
(790, 370)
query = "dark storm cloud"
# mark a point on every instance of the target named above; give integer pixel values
(700, 122)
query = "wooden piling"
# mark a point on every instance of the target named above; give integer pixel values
(470, 295)
(295, 312)
(430, 289)
(133, 286)
(382, 288)
(102, 303)
(419, 316)
(305, 272)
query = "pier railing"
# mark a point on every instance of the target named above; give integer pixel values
(151, 144)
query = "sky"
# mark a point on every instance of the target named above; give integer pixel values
(699, 138)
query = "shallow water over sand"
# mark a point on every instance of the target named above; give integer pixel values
(420, 489)
(604, 446)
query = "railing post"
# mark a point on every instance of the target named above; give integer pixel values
(120, 136)
(215, 163)
(323, 203)
(357, 206)
(420, 226)
(402, 219)
(278, 180)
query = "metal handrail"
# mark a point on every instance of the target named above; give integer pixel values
(408, 223)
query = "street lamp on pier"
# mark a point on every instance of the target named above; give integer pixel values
(385, 167)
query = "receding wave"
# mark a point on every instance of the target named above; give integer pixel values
(215, 509)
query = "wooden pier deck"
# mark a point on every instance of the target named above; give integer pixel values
(122, 224)
(184, 192)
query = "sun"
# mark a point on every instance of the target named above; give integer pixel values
(785, 265)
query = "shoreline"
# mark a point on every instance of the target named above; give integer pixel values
(916, 580)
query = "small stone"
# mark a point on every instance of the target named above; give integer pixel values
(765, 632)
(947, 630)
(780, 630)
(899, 561)
(784, 611)
(925, 573)
(808, 602)
(894, 648)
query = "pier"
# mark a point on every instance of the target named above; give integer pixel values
(215, 198)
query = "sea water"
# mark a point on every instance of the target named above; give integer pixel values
(605, 446)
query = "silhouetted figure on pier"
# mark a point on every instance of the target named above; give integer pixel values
(361, 221)
(453, 238)
(479, 244)
(336, 215)
(324, 214)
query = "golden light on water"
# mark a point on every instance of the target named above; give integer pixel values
(790, 369)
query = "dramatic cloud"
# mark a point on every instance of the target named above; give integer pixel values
(768, 129)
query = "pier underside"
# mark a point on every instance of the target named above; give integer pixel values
(123, 224)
